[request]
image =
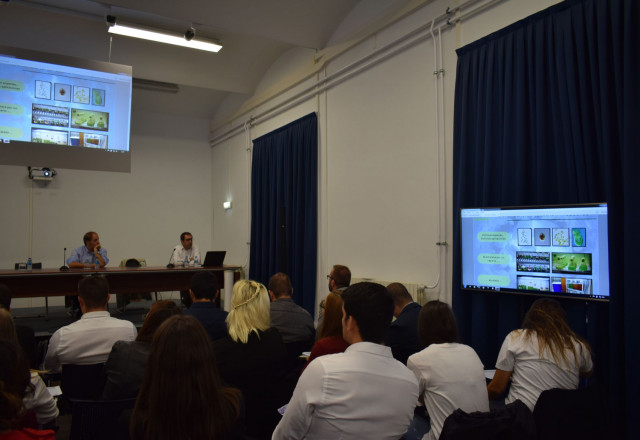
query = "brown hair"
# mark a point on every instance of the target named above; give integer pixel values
(332, 320)
(7, 327)
(436, 324)
(94, 291)
(548, 320)
(341, 275)
(88, 237)
(160, 311)
(182, 394)
(14, 380)
(280, 285)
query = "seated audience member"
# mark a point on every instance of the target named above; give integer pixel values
(88, 340)
(363, 393)
(330, 338)
(544, 354)
(182, 396)
(293, 322)
(37, 398)
(14, 385)
(26, 335)
(402, 336)
(450, 375)
(203, 293)
(127, 360)
(253, 358)
(339, 280)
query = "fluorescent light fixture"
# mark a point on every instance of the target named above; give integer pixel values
(227, 205)
(161, 37)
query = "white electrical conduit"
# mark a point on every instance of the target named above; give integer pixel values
(336, 77)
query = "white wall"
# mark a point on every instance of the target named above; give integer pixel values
(379, 188)
(139, 214)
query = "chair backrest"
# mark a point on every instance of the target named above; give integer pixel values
(133, 262)
(99, 419)
(512, 422)
(581, 413)
(82, 381)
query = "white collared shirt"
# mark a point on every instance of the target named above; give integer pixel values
(179, 252)
(88, 340)
(363, 393)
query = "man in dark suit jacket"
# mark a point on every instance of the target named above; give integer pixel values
(402, 336)
(26, 335)
(204, 291)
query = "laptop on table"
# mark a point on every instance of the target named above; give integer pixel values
(214, 258)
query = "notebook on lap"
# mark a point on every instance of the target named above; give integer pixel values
(214, 258)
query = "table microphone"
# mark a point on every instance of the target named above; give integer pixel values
(64, 267)
(171, 265)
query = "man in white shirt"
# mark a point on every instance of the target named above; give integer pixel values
(186, 249)
(361, 393)
(88, 340)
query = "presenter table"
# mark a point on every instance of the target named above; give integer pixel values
(52, 282)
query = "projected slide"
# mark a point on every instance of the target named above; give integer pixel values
(76, 101)
(558, 250)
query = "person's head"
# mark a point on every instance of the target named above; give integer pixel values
(5, 297)
(159, 312)
(249, 310)
(182, 395)
(339, 277)
(186, 239)
(548, 320)
(204, 286)
(436, 324)
(93, 293)
(367, 313)
(14, 380)
(7, 327)
(331, 316)
(280, 286)
(91, 240)
(401, 297)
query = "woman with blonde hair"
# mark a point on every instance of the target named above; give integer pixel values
(253, 358)
(544, 354)
(330, 338)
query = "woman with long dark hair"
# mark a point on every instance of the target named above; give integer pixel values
(330, 338)
(182, 396)
(450, 374)
(127, 360)
(544, 354)
(14, 384)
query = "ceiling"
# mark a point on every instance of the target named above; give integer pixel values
(254, 33)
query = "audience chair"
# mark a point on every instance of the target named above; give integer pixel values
(82, 381)
(573, 414)
(99, 419)
(512, 422)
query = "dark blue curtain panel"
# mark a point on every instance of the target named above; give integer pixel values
(547, 111)
(284, 207)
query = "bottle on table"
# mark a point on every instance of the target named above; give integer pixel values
(29, 263)
(186, 261)
(195, 261)
(96, 264)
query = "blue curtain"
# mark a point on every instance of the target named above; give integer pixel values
(546, 112)
(284, 207)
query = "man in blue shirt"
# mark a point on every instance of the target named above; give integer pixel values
(204, 292)
(85, 257)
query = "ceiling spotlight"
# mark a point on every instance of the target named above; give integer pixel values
(227, 205)
(186, 40)
(189, 34)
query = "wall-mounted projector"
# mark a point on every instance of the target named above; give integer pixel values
(46, 174)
